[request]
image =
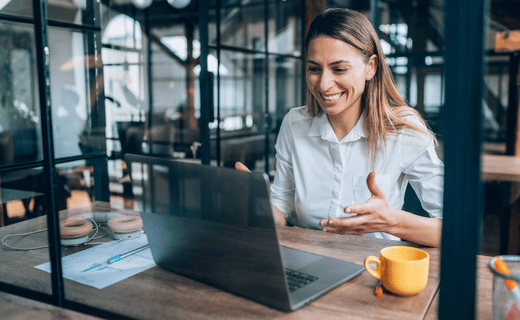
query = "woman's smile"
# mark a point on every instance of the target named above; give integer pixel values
(331, 97)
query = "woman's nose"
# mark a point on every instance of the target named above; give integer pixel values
(326, 81)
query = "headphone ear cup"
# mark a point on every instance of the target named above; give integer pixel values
(125, 226)
(74, 232)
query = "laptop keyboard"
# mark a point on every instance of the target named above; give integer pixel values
(296, 279)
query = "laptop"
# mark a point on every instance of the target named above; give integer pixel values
(215, 225)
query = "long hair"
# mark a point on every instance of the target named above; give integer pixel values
(385, 110)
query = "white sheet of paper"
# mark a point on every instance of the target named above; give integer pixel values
(90, 266)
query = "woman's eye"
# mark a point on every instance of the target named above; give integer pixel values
(312, 70)
(340, 70)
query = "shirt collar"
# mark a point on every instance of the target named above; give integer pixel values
(321, 127)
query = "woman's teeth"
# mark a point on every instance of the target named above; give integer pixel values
(331, 98)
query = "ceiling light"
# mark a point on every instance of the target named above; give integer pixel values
(179, 4)
(142, 4)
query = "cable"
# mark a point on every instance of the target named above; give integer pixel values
(23, 235)
(95, 230)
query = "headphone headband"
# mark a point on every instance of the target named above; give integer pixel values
(98, 217)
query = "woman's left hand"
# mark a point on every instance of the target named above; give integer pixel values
(373, 215)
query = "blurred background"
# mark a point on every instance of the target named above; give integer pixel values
(208, 81)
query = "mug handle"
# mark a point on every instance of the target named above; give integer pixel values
(375, 273)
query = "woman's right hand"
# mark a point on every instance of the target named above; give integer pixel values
(240, 166)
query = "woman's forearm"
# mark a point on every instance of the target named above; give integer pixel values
(278, 216)
(418, 229)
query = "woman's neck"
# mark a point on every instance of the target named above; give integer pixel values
(344, 122)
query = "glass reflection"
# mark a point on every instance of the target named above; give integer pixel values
(285, 30)
(20, 138)
(77, 179)
(242, 109)
(75, 11)
(285, 89)
(285, 92)
(72, 97)
(17, 8)
(23, 229)
(243, 27)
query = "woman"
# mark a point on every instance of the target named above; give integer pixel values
(344, 160)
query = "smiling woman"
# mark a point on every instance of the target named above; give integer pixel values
(344, 160)
(336, 78)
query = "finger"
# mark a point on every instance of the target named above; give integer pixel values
(344, 222)
(240, 166)
(372, 185)
(360, 208)
(350, 225)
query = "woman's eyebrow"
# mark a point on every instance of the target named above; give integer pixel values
(332, 63)
(340, 62)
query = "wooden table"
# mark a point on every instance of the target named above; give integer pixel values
(159, 294)
(16, 307)
(500, 168)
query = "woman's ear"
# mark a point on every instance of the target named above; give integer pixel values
(371, 67)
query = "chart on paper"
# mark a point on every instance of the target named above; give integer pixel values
(91, 267)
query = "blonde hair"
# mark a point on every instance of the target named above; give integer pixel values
(385, 110)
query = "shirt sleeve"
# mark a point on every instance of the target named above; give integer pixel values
(283, 187)
(426, 176)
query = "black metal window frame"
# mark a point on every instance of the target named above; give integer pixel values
(463, 207)
(49, 162)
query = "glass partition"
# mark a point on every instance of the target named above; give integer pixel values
(243, 26)
(70, 70)
(75, 12)
(20, 8)
(23, 230)
(285, 27)
(242, 108)
(285, 92)
(20, 125)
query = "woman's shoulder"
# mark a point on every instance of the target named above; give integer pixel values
(298, 113)
(414, 129)
(297, 117)
(296, 123)
(409, 120)
(409, 114)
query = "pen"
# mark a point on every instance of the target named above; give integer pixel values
(127, 254)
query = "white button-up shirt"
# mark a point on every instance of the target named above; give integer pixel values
(317, 176)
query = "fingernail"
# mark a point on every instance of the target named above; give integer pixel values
(323, 222)
(347, 210)
(331, 222)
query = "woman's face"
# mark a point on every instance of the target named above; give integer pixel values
(336, 75)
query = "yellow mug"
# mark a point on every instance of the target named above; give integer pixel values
(402, 270)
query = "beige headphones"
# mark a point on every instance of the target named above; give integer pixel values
(75, 230)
